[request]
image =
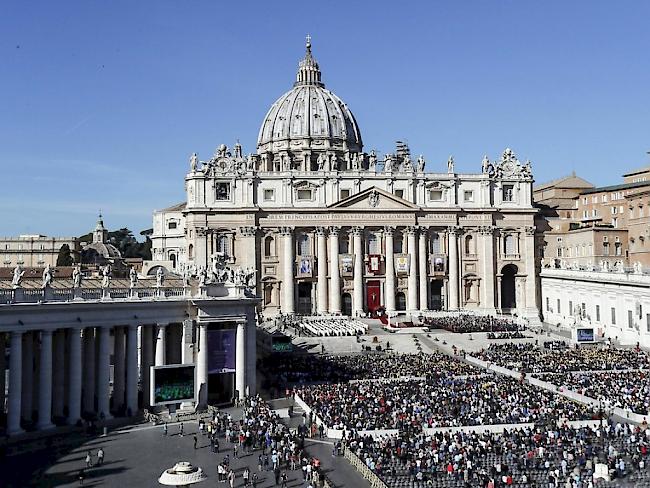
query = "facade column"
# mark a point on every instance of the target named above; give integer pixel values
(423, 271)
(187, 350)
(132, 370)
(357, 300)
(74, 376)
(89, 370)
(58, 374)
(322, 270)
(288, 283)
(161, 345)
(531, 310)
(103, 373)
(15, 384)
(452, 243)
(251, 356)
(240, 361)
(389, 290)
(146, 361)
(488, 269)
(119, 369)
(45, 382)
(412, 298)
(28, 376)
(202, 366)
(3, 368)
(335, 275)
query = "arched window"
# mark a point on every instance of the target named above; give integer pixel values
(435, 243)
(510, 244)
(269, 246)
(303, 245)
(190, 251)
(223, 245)
(172, 258)
(469, 245)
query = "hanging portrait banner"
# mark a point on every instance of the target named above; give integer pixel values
(438, 264)
(402, 264)
(305, 267)
(346, 265)
(374, 262)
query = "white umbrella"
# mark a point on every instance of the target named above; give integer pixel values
(182, 474)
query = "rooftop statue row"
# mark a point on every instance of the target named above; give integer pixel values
(227, 162)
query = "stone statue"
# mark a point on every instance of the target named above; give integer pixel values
(388, 163)
(221, 151)
(18, 276)
(106, 276)
(335, 163)
(485, 165)
(187, 274)
(193, 162)
(286, 162)
(321, 162)
(203, 276)
(250, 163)
(618, 267)
(355, 161)
(408, 165)
(421, 163)
(251, 277)
(604, 265)
(47, 276)
(238, 150)
(450, 164)
(372, 160)
(76, 277)
(239, 277)
(638, 268)
(133, 277)
(160, 277)
(527, 170)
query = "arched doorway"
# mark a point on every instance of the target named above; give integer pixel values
(508, 289)
(400, 301)
(347, 305)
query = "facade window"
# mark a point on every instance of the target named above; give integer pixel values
(559, 306)
(468, 196)
(647, 322)
(508, 193)
(510, 244)
(399, 193)
(345, 193)
(435, 195)
(269, 246)
(303, 245)
(344, 244)
(606, 248)
(615, 222)
(222, 191)
(630, 319)
(570, 307)
(223, 245)
(469, 245)
(435, 244)
(613, 316)
(304, 194)
(269, 195)
(548, 304)
(171, 225)
(190, 251)
(597, 313)
(373, 244)
(618, 249)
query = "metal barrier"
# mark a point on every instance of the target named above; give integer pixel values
(374, 480)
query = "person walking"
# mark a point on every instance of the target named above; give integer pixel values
(196, 440)
(181, 430)
(89, 460)
(82, 476)
(276, 473)
(284, 480)
(254, 480)
(231, 478)
(100, 456)
(165, 429)
(246, 476)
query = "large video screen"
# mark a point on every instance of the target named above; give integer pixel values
(585, 335)
(173, 384)
(221, 350)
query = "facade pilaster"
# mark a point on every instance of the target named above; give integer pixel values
(357, 301)
(288, 284)
(423, 273)
(132, 370)
(487, 300)
(74, 375)
(103, 372)
(452, 243)
(45, 382)
(240, 361)
(335, 275)
(412, 297)
(322, 270)
(118, 369)
(389, 291)
(15, 384)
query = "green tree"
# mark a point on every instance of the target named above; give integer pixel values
(65, 256)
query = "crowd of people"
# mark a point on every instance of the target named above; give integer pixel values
(507, 335)
(528, 358)
(467, 324)
(322, 326)
(524, 457)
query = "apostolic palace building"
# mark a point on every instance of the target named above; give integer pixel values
(333, 229)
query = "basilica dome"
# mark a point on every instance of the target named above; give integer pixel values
(309, 117)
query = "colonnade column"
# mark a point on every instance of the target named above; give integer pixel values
(119, 369)
(202, 365)
(389, 290)
(531, 284)
(335, 275)
(488, 269)
(146, 361)
(452, 243)
(132, 370)
(15, 384)
(3, 368)
(58, 374)
(322, 270)
(412, 299)
(357, 301)
(288, 306)
(45, 382)
(422, 265)
(240, 361)
(103, 373)
(89, 370)
(27, 376)
(74, 376)
(161, 344)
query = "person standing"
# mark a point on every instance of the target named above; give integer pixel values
(276, 473)
(246, 476)
(100, 456)
(284, 480)
(231, 478)
(181, 430)
(165, 429)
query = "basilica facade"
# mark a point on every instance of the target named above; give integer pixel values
(331, 229)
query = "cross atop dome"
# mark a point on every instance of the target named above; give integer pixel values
(308, 70)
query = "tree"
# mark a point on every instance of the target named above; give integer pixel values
(65, 256)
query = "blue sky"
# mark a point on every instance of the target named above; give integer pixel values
(101, 103)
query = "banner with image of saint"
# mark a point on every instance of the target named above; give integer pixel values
(402, 264)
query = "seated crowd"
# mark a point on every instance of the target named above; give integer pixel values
(507, 335)
(517, 457)
(530, 359)
(466, 323)
(324, 326)
(629, 390)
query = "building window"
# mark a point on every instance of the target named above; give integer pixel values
(373, 244)
(269, 246)
(613, 316)
(303, 245)
(172, 225)
(559, 306)
(222, 191)
(510, 244)
(304, 194)
(468, 195)
(570, 307)
(597, 313)
(618, 249)
(435, 195)
(508, 193)
(548, 304)
(399, 193)
(630, 319)
(223, 245)
(345, 193)
(469, 245)
(269, 195)
(647, 322)
(615, 222)
(606, 248)
(435, 243)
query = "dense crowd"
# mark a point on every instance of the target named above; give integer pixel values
(437, 402)
(526, 357)
(322, 326)
(629, 390)
(507, 335)
(561, 457)
(466, 323)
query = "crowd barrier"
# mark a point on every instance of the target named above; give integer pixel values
(374, 480)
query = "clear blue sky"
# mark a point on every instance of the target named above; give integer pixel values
(101, 103)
